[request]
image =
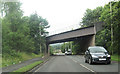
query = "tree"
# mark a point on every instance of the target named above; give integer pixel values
(37, 27)
(91, 16)
(111, 19)
(66, 46)
(63, 48)
(15, 31)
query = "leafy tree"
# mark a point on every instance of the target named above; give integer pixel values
(51, 50)
(91, 16)
(37, 27)
(0, 36)
(103, 37)
(63, 48)
(15, 31)
(66, 46)
(111, 19)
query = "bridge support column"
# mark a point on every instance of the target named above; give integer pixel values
(47, 49)
(86, 42)
(92, 41)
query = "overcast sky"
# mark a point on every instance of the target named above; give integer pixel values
(62, 15)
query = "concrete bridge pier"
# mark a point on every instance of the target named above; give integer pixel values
(85, 42)
(47, 51)
(92, 41)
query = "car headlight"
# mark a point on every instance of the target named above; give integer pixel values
(94, 56)
(108, 55)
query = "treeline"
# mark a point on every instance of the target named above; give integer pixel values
(108, 37)
(74, 45)
(65, 46)
(22, 33)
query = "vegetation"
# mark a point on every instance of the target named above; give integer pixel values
(20, 57)
(21, 35)
(51, 50)
(115, 57)
(66, 46)
(28, 67)
(91, 17)
(0, 61)
(109, 17)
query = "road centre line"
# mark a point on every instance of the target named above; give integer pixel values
(74, 61)
(86, 68)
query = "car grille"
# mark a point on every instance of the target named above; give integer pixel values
(101, 56)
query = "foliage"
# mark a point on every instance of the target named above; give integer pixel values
(78, 46)
(63, 47)
(17, 57)
(15, 31)
(103, 37)
(115, 57)
(91, 16)
(51, 50)
(111, 18)
(56, 47)
(37, 27)
(21, 34)
(66, 46)
(28, 67)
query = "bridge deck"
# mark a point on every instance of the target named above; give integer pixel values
(66, 36)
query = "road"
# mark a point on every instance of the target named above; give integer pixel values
(74, 64)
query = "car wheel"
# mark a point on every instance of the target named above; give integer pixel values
(90, 61)
(109, 62)
(85, 61)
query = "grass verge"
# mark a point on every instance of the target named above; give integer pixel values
(0, 62)
(28, 67)
(115, 57)
(8, 59)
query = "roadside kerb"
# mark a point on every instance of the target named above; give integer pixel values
(36, 67)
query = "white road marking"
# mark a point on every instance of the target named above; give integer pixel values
(74, 61)
(86, 68)
(83, 66)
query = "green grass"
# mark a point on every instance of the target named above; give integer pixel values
(28, 67)
(0, 61)
(21, 56)
(115, 57)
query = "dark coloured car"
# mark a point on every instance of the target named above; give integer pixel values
(97, 54)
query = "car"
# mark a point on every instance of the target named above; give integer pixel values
(69, 53)
(97, 54)
(65, 52)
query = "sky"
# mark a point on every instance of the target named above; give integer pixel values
(62, 15)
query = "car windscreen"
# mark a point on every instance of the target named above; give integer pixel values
(69, 51)
(97, 50)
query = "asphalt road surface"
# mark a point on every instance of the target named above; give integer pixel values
(75, 64)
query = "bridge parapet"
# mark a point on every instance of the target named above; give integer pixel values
(72, 34)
